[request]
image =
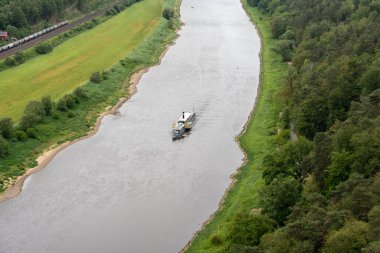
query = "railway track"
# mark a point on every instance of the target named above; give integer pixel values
(53, 33)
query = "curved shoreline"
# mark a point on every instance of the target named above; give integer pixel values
(245, 159)
(43, 160)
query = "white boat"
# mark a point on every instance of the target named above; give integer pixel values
(185, 122)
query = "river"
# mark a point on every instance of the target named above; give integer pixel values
(130, 188)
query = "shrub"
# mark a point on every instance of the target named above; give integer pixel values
(4, 150)
(70, 101)
(285, 49)
(96, 77)
(55, 116)
(33, 114)
(6, 127)
(216, 240)
(105, 75)
(168, 13)
(44, 48)
(71, 114)
(80, 92)
(247, 229)
(47, 104)
(61, 105)
(19, 58)
(20, 135)
(9, 62)
(31, 133)
(253, 3)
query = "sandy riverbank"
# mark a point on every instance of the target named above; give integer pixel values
(44, 159)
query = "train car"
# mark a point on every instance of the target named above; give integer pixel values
(10, 45)
(16, 43)
(56, 26)
(22, 40)
(1, 49)
(44, 31)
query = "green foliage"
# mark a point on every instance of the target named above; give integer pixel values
(96, 77)
(47, 104)
(31, 133)
(350, 239)
(285, 49)
(20, 135)
(279, 196)
(247, 229)
(33, 114)
(19, 58)
(290, 160)
(4, 149)
(70, 114)
(6, 127)
(44, 48)
(9, 62)
(80, 92)
(216, 239)
(374, 224)
(168, 13)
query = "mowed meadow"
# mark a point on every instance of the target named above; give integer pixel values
(71, 63)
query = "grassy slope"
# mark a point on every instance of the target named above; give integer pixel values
(71, 63)
(55, 131)
(256, 141)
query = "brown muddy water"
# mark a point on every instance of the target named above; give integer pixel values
(130, 188)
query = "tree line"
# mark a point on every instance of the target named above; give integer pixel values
(322, 190)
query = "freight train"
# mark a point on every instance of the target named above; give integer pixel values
(31, 37)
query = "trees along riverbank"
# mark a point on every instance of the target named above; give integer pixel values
(318, 191)
(74, 114)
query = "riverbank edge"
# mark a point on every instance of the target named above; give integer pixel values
(43, 160)
(200, 241)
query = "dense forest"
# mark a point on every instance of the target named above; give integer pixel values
(322, 188)
(18, 16)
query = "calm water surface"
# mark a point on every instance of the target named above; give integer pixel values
(130, 188)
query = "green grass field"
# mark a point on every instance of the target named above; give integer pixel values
(257, 141)
(71, 63)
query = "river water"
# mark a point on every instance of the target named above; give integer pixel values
(130, 188)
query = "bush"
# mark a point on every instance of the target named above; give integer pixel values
(80, 92)
(105, 75)
(20, 135)
(168, 13)
(19, 58)
(71, 114)
(44, 48)
(96, 77)
(47, 104)
(253, 3)
(70, 101)
(33, 114)
(6, 127)
(285, 49)
(61, 105)
(31, 133)
(247, 229)
(216, 240)
(4, 150)
(9, 62)
(55, 116)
